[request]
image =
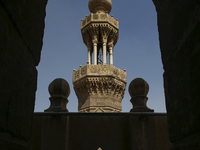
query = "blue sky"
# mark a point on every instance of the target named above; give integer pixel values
(137, 49)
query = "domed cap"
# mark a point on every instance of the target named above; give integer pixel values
(100, 6)
(138, 87)
(59, 87)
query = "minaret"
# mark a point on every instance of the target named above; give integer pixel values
(99, 85)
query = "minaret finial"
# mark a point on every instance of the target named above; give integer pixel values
(100, 6)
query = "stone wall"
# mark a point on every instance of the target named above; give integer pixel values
(179, 33)
(109, 131)
(21, 34)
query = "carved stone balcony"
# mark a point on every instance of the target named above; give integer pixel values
(100, 18)
(99, 88)
(99, 25)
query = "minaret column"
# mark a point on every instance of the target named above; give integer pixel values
(111, 54)
(89, 46)
(95, 53)
(110, 46)
(104, 52)
(89, 59)
(95, 42)
(105, 32)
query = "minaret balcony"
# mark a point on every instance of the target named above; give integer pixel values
(99, 70)
(99, 18)
(99, 88)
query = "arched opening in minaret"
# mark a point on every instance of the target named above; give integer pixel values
(100, 55)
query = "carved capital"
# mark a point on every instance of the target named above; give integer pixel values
(94, 30)
(89, 46)
(110, 45)
(95, 39)
(105, 30)
(113, 37)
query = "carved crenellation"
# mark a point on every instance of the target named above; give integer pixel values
(83, 70)
(88, 18)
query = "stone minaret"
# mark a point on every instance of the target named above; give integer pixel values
(99, 85)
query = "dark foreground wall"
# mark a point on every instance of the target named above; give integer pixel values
(179, 33)
(110, 131)
(21, 33)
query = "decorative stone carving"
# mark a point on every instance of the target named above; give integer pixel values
(93, 30)
(100, 89)
(95, 70)
(90, 27)
(113, 37)
(105, 30)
